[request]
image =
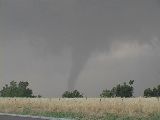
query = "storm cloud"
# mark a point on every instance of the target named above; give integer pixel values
(80, 44)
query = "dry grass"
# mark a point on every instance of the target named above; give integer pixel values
(91, 106)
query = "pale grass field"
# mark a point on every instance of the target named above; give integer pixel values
(90, 106)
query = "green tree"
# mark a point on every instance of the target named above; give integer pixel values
(123, 90)
(16, 90)
(106, 93)
(72, 94)
(155, 92)
(158, 88)
(148, 92)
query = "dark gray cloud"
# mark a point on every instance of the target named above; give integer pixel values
(52, 41)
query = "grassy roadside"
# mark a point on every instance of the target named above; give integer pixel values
(80, 116)
(85, 109)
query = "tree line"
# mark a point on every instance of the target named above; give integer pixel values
(21, 89)
(121, 90)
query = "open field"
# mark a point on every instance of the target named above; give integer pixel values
(77, 106)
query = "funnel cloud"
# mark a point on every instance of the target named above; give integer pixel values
(78, 44)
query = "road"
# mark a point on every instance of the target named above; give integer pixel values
(7, 117)
(14, 117)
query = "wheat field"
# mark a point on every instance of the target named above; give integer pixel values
(90, 106)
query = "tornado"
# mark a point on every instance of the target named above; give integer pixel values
(80, 57)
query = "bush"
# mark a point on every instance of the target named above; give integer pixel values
(72, 94)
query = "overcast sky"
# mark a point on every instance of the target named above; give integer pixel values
(89, 45)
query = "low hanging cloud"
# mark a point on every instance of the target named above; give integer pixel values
(125, 61)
